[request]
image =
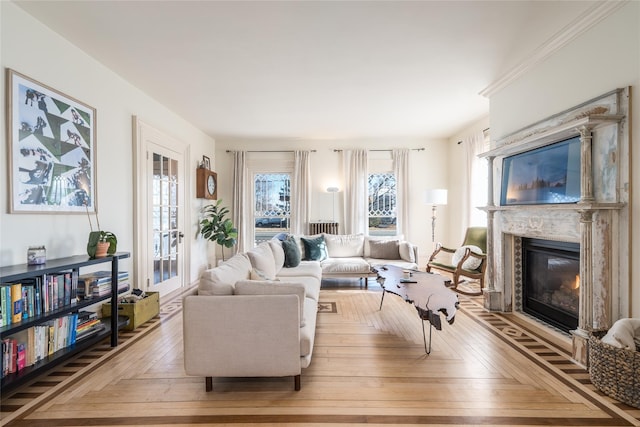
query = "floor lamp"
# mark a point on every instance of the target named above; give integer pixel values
(333, 190)
(434, 197)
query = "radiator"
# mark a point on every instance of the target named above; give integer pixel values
(323, 227)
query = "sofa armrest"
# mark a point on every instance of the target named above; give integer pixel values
(241, 336)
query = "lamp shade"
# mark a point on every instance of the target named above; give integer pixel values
(332, 189)
(435, 197)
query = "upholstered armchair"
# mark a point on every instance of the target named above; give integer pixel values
(469, 260)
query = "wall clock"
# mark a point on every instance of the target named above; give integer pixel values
(206, 184)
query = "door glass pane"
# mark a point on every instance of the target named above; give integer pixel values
(165, 218)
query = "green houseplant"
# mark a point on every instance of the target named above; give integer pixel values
(216, 228)
(99, 240)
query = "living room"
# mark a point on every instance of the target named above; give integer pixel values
(599, 55)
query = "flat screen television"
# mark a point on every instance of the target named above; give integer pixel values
(545, 175)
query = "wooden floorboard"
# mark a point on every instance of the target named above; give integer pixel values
(369, 367)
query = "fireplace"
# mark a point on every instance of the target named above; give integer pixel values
(551, 282)
(598, 224)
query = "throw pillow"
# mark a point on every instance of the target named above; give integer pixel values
(221, 280)
(261, 258)
(278, 253)
(314, 249)
(344, 245)
(385, 249)
(291, 252)
(471, 263)
(260, 275)
(406, 252)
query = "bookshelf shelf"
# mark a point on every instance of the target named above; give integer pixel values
(16, 273)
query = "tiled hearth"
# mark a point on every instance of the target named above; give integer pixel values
(599, 222)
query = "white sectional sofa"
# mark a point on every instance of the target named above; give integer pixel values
(249, 320)
(353, 255)
(255, 314)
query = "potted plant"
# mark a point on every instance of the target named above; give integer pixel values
(101, 243)
(216, 228)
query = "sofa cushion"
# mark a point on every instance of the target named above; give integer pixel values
(292, 255)
(221, 280)
(344, 245)
(305, 268)
(314, 249)
(400, 263)
(384, 249)
(406, 252)
(350, 265)
(255, 287)
(311, 285)
(278, 253)
(262, 259)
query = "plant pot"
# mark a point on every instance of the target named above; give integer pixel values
(101, 249)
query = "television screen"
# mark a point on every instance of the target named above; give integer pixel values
(546, 175)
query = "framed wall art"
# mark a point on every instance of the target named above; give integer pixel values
(52, 149)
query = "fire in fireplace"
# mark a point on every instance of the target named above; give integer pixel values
(551, 282)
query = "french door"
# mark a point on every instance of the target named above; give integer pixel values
(166, 219)
(161, 192)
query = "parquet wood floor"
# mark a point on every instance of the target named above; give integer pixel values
(369, 366)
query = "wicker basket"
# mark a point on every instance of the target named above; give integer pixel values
(615, 371)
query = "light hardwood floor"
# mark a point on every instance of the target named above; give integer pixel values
(368, 366)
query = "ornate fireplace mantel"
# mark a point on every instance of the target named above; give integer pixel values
(599, 222)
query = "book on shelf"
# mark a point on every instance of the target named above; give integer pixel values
(5, 300)
(98, 284)
(33, 344)
(16, 302)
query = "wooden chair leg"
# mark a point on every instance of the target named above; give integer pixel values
(208, 384)
(296, 382)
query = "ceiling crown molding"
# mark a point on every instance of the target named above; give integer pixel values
(582, 23)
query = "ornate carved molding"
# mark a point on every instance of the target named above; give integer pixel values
(563, 37)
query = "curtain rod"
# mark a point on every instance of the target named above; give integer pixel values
(337, 150)
(483, 130)
(269, 151)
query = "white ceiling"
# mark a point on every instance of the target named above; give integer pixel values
(313, 69)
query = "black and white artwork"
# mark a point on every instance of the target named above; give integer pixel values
(52, 149)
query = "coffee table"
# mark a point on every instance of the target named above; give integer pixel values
(428, 292)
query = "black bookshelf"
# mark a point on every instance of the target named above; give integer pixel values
(16, 273)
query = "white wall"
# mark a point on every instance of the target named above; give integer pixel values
(604, 58)
(429, 170)
(34, 50)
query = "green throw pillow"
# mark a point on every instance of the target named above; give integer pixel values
(291, 252)
(315, 249)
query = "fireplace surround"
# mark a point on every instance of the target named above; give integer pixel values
(598, 223)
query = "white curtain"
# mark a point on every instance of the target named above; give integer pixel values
(300, 193)
(240, 206)
(400, 159)
(356, 192)
(476, 181)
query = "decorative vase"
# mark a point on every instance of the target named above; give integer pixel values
(101, 249)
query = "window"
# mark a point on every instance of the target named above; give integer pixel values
(272, 193)
(382, 204)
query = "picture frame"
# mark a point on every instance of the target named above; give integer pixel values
(52, 149)
(206, 163)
